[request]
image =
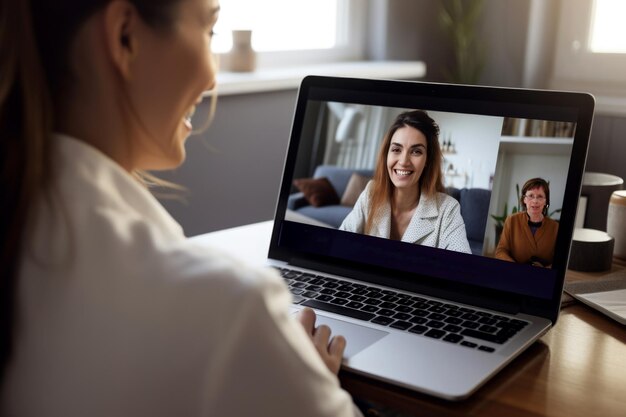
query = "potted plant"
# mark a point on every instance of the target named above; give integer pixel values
(460, 20)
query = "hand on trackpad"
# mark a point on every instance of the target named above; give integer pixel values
(357, 337)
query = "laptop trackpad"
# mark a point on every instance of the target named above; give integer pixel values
(358, 337)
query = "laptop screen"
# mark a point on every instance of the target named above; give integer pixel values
(435, 183)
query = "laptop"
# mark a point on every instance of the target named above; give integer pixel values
(422, 317)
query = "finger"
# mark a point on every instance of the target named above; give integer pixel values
(337, 346)
(306, 317)
(321, 337)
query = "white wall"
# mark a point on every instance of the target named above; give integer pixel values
(476, 140)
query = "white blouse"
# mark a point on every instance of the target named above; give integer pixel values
(437, 222)
(120, 315)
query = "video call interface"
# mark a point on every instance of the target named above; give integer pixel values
(485, 162)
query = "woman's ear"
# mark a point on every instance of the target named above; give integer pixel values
(120, 28)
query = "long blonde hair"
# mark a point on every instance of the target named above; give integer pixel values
(430, 181)
(35, 37)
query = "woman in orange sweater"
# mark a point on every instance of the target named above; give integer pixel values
(529, 236)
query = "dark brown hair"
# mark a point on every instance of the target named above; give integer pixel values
(35, 39)
(534, 183)
(430, 181)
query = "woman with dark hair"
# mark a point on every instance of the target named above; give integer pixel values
(529, 236)
(406, 199)
(106, 308)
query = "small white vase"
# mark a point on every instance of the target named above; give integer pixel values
(242, 56)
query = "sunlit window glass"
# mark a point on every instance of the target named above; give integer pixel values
(608, 30)
(279, 25)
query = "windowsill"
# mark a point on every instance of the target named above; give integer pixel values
(610, 106)
(231, 83)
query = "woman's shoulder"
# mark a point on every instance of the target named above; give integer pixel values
(446, 200)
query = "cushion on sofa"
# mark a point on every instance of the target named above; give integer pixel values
(355, 187)
(317, 191)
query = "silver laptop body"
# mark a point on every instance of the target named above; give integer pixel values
(407, 310)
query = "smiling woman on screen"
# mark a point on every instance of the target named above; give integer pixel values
(406, 199)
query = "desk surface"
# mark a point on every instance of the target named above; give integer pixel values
(577, 369)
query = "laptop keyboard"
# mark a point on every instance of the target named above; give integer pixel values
(419, 315)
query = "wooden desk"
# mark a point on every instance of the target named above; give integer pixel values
(577, 369)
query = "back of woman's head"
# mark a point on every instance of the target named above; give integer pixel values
(35, 43)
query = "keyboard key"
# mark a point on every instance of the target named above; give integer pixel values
(324, 297)
(359, 291)
(436, 316)
(387, 304)
(354, 304)
(418, 320)
(437, 309)
(488, 320)
(452, 328)
(453, 320)
(386, 312)
(470, 324)
(290, 274)
(342, 294)
(374, 294)
(488, 329)
(403, 309)
(401, 316)
(316, 281)
(419, 312)
(405, 302)
(453, 338)
(453, 313)
(402, 325)
(369, 309)
(486, 349)
(339, 301)
(435, 334)
(495, 338)
(434, 303)
(383, 320)
(435, 324)
(314, 288)
(468, 344)
(470, 317)
(296, 291)
(345, 288)
(358, 298)
(355, 314)
(330, 284)
(419, 329)
(299, 285)
(310, 294)
(390, 298)
(372, 301)
(327, 291)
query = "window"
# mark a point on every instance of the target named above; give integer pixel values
(288, 32)
(608, 33)
(591, 50)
